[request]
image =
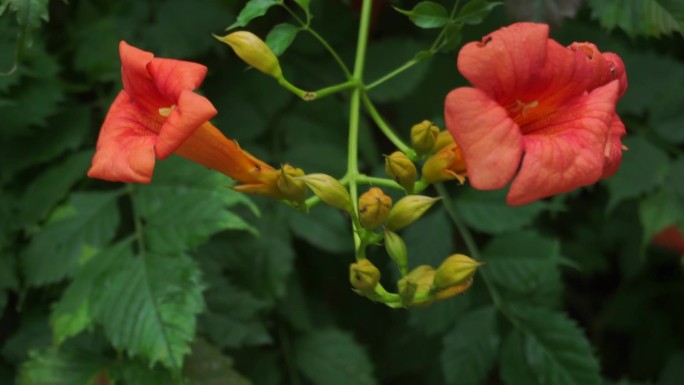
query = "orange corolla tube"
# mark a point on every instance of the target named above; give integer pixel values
(539, 114)
(157, 114)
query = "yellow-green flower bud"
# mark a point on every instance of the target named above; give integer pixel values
(418, 281)
(454, 271)
(254, 52)
(374, 206)
(447, 164)
(330, 190)
(408, 210)
(291, 188)
(423, 137)
(396, 249)
(400, 168)
(364, 276)
(443, 139)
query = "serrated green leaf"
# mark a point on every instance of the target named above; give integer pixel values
(524, 266)
(555, 349)
(332, 357)
(207, 366)
(56, 367)
(427, 14)
(55, 252)
(660, 210)
(252, 10)
(515, 369)
(470, 348)
(147, 306)
(640, 17)
(487, 211)
(475, 11)
(280, 37)
(644, 166)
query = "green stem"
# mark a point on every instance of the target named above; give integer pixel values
(394, 73)
(305, 95)
(386, 129)
(334, 89)
(371, 180)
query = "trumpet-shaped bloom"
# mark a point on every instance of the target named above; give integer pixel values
(157, 114)
(540, 114)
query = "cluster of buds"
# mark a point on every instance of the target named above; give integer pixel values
(443, 159)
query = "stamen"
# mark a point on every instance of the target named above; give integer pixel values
(166, 111)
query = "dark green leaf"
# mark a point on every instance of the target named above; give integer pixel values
(660, 210)
(515, 369)
(429, 240)
(252, 10)
(550, 11)
(207, 366)
(323, 227)
(555, 349)
(54, 367)
(475, 11)
(452, 37)
(487, 211)
(439, 316)
(644, 166)
(470, 348)
(332, 357)
(640, 17)
(523, 266)
(673, 372)
(305, 6)
(280, 37)
(75, 233)
(427, 14)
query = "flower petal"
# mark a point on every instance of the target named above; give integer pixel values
(489, 139)
(191, 112)
(172, 77)
(569, 151)
(138, 82)
(507, 61)
(613, 150)
(125, 147)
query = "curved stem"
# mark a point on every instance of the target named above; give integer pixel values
(386, 129)
(394, 73)
(334, 89)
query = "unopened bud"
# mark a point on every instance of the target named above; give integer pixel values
(291, 188)
(364, 276)
(330, 190)
(443, 139)
(447, 164)
(254, 52)
(396, 249)
(400, 168)
(408, 210)
(418, 281)
(374, 206)
(423, 137)
(455, 271)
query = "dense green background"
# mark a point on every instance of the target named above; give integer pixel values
(238, 290)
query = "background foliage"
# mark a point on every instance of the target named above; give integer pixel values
(186, 281)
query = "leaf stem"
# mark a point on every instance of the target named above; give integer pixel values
(386, 129)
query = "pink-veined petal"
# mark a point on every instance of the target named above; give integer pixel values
(125, 147)
(489, 139)
(507, 61)
(568, 152)
(192, 110)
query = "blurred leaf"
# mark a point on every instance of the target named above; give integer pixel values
(555, 349)
(183, 28)
(186, 204)
(675, 179)
(323, 227)
(33, 333)
(149, 306)
(317, 157)
(77, 230)
(640, 17)
(470, 348)
(551, 11)
(55, 367)
(427, 14)
(430, 240)
(660, 210)
(332, 357)
(452, 37)
(280, 37)
(305, 6)
(134, 372)
(515, 369)
(475, 11)
(207, 366)
(673, 372)
(234, 317)
(487, 211)
(439, 316)
(643, 168)
(263, 367)
(387, 54)
(524, 266)
(52, 186)
(252, 10)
